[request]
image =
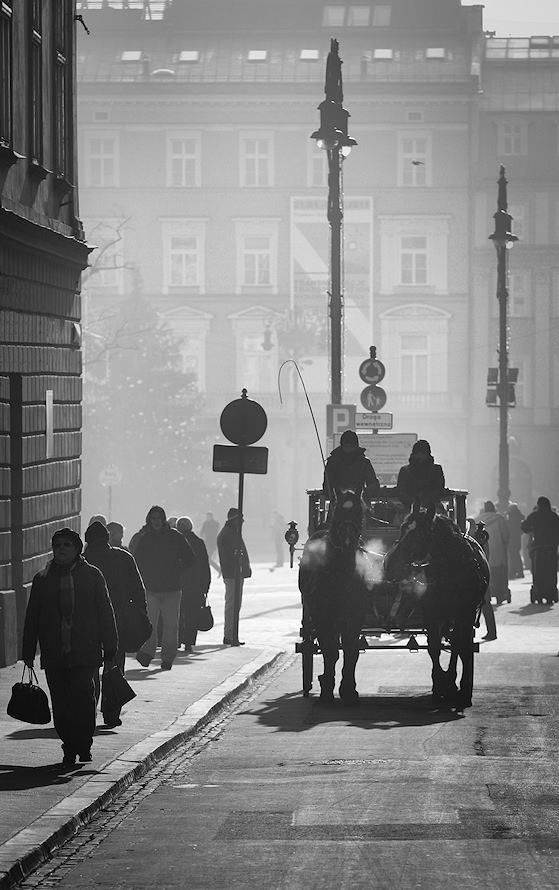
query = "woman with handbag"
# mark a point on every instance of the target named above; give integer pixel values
(126, 590)
(71, 617)
(195, 583)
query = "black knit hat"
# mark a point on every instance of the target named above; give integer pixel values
(349, 437)
(68, 533)
(97, 533)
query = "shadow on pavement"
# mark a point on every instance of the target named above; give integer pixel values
(294, 713)
(531, 609)
(23, 778)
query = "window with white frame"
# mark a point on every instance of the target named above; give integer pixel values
(183, 160)
(414, 360)
(519, 294)
(522, 390)
(257, 161)
(183, 254)
(414, 253)
(317, 169)
(413, 260)
(102, 167)
(517, 211)
(414, 159)
(513, 138)
(257, 249)
(107, 261)
(415, 342)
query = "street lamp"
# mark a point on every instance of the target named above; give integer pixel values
(332, 136)
(503, 239)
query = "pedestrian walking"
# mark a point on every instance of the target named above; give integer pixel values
(208, 533)
(498, 531)
(71, 617)
(514, 520)
(116, 534)
(543, 525)
(195, 583)
(478, 531)
(162, 554)
(232, 553)
(124, 584)
(278, 526)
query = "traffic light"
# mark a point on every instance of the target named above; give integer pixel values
(492, 394)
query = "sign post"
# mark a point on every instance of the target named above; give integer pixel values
(243, 422)
(108, 477)
(373, 397)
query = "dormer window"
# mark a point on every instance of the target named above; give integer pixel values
(435, 52)
(383, 55)
(257, 55)
(131, 56)
(309, 55)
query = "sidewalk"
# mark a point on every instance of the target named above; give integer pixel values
(42, 807)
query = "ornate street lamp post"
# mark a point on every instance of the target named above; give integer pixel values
(333, 138)
(503, 239)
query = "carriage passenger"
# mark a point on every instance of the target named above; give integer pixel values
(348, 468)
(421, 478)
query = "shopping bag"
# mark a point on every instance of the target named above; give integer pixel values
(115, 689)
(205, 618)
(137, 628)
(28, 701)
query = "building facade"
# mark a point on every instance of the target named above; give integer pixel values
(42, 255)
(195, 120)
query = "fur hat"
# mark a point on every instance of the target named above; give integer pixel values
(232, 513)
(349, 437)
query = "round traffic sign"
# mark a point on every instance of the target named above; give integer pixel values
(373, 398)
(371, 370)
(243, 421)
(110, 476)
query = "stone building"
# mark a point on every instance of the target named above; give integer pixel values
(42, 252)
(195, 118)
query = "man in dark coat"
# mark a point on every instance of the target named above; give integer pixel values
(543, 525)
(162, 554)
(421, 478)
(70, 614)
(195, 583)
(348, 468)
(232, 549)
(124, 583)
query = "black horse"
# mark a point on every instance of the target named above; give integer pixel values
(335, 576)
(452, 567)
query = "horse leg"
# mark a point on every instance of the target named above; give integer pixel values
(464, 649)
(350, 645)
(328, 642)
(444, 682)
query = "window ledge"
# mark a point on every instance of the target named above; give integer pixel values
(8, 156)
(37, 171)
(62, 185)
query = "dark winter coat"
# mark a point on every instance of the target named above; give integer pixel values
(122, 576)
(93, 622)
(543, 524)
(420, 479)
(346, 471)
(197, 578)
(229, 543)
(161, 557)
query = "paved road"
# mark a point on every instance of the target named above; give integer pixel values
(285, 793)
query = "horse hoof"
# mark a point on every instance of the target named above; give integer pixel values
(350, 697)
(326, 690)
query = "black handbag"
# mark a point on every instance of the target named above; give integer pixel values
(115, 688)
(205, 619)
(28, 701)
(137, 628)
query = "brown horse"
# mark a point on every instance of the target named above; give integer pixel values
(335, 576)
(453, 567)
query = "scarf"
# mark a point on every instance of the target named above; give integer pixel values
(66, 597)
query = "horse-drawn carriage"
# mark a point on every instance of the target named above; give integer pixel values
(371, 583)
